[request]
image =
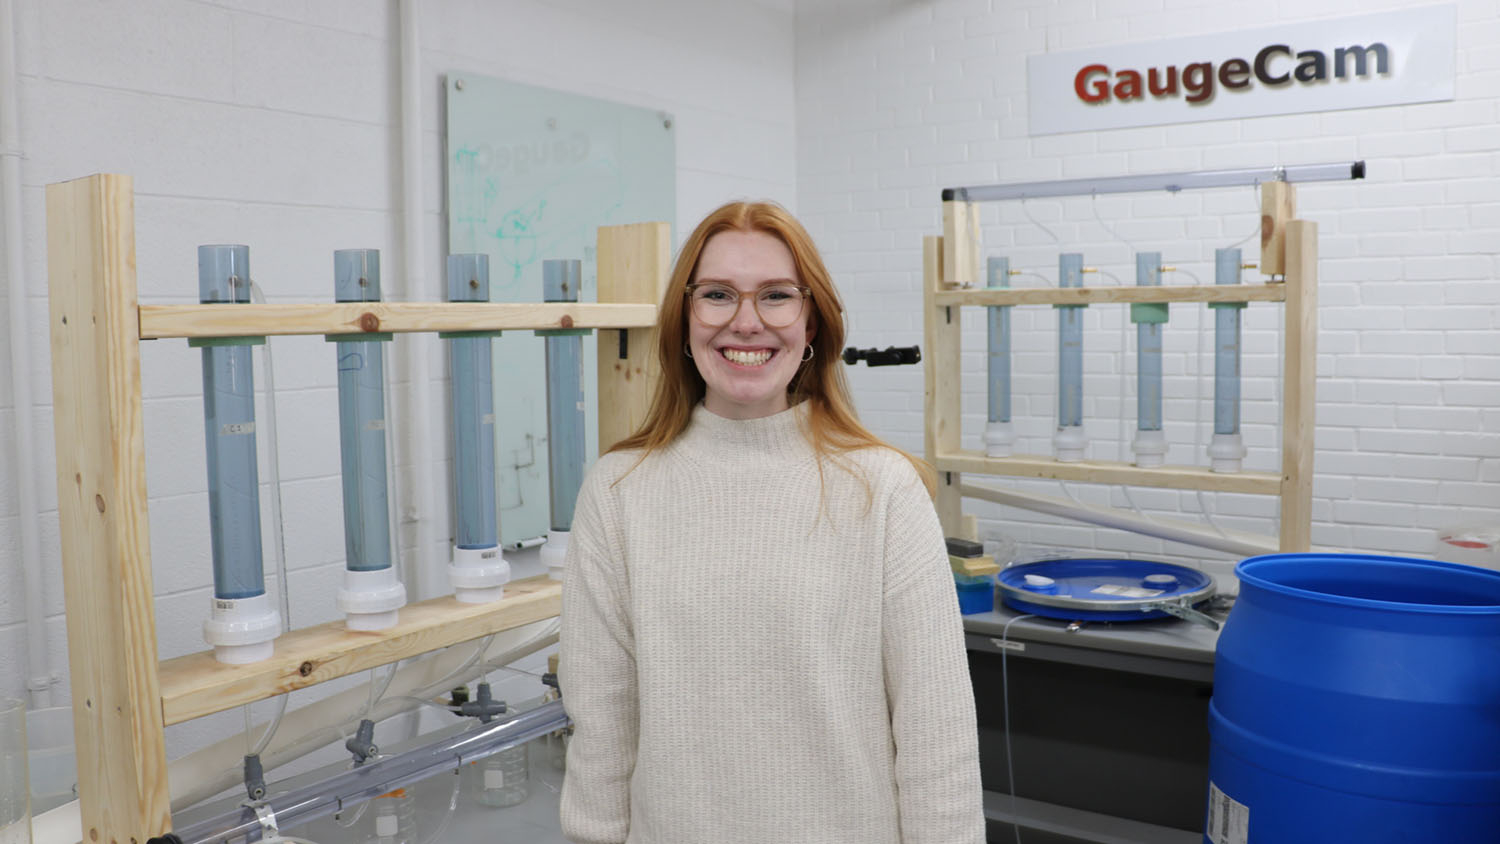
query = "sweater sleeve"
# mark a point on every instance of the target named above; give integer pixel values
(598, 677)
(927, 679)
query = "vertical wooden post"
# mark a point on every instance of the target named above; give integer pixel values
(1299, 388)
(1278, 205)
(633, 262)
(941, 394)
(101, 492)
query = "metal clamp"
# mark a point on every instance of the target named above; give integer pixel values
(1183, 610)
(269, 832)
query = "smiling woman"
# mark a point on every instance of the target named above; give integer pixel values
(745, 360)
(754, 572)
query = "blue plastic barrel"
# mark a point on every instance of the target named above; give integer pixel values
(1357, 699)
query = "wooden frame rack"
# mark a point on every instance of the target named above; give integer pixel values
(123, 696)
(1289, 255)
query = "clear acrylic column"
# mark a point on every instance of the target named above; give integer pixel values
(1150, 443)
(243, 623)
(15, 784)
(1068, 444)
(561, 280)
(479, 571)
(372, 594)
(998, 433)
(1227, 448)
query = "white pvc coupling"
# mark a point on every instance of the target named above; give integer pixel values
(998, 439)
(1225, 451)
(554, 554)
(479, 575)
(1068, 444)
(370, 600)
(1150, 448)
(242, 630)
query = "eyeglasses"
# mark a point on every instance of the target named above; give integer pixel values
(777, 305)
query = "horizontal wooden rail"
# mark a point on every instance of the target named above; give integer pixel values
(1099, 295)
(162, 321)
(1110, 472)
(196, 685)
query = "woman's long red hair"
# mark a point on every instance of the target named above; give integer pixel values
(833, 426)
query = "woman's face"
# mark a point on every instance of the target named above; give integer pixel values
(745, 363)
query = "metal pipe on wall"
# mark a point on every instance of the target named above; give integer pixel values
(1230, 541)
(419, 449)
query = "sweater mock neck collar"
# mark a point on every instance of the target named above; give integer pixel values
(778, 438)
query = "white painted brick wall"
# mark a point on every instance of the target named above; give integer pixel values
(277, 125)
(1409, 347)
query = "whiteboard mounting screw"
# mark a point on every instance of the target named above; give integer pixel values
(667, 124)
(458, 84)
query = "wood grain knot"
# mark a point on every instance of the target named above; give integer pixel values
(566, 321)
(369, 322)
(99, 502)
(305, 669)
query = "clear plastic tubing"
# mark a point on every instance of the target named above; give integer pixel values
(229, 432)
(1227, 347)
(473, 411)
(346, 788)
(565, 430)
(361, 367)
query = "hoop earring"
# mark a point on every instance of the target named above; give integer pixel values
(808, 353)
(687, 351)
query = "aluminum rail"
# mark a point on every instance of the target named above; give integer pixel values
(294, 808)
(1170, 182)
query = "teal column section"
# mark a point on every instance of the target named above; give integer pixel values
(473, 411)
(229, 433)
(362, 429)
(1070, 344)
(997, 270)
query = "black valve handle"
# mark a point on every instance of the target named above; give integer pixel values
(889, 356)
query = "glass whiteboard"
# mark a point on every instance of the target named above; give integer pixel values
(532, 173)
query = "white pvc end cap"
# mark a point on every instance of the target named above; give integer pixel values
(1068, 444)
(1225, 451)
(1150, 448)
(998, 439)
(242, 630)
(555, 553)
(370, 599)
(479, 575)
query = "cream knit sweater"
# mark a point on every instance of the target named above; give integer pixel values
(747, 661)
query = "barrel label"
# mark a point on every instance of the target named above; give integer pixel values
(1228, 818)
